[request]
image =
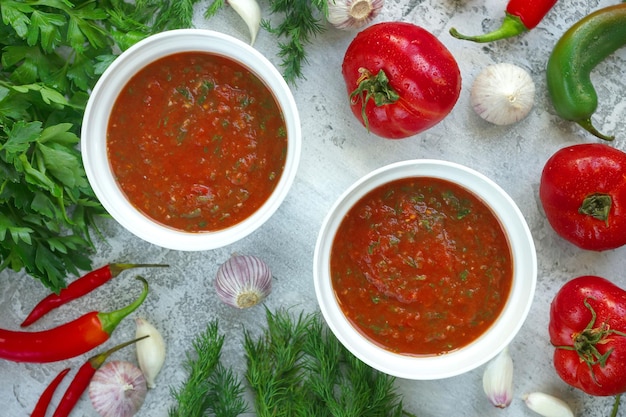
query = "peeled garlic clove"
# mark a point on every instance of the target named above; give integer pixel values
(353, 14)
(547, 405)
(118, 389)
(250, 12)
(150, 351)
(498, 380)
(243, 281)
(503, 94)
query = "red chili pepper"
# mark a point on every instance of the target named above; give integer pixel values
(79, 288)
(80, 382)
(68, 340)
(521, 16)
(46, 396)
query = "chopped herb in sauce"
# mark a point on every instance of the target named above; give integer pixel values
(197, 142)
(434, 266)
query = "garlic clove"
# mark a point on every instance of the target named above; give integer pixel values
(503, 94)
(547, 405)
(250, 12)
(498, 380)
(243, 281)
(150, 351)
(353, 14)
(117, 389)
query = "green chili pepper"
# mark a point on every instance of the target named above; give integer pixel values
(575, 55)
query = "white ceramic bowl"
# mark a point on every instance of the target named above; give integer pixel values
(102, 99)
(502, 331)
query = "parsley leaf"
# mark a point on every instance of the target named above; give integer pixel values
(52, 53)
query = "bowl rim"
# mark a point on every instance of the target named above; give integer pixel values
(97, 112)
(496, 338)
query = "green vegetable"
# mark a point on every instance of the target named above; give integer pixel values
(575, 55)
(209, 387)
(298, 368)
(302, 21)
(295, 367)
(52, 53)
(299, 22)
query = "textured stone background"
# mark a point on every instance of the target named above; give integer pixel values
(336, 153)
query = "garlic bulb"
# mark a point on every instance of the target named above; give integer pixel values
(243, 281)
(353, 14)
(503, 94)
(498, 380)
(547, 405)
(118, 389)
(250, 12)
(150, 351)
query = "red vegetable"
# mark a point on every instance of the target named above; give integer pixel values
(80, 382)
(588, 329)
(44, 400)
(521, 16)
(400, 78)
(583, 193)
(68, 340)
(79, 288)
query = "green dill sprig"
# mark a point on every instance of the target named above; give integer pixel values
(209, 387)
(298, 368)
(302, 21)
(226, 393)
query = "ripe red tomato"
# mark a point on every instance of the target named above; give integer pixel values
(401, 79)
(588, 329)
(583, 194)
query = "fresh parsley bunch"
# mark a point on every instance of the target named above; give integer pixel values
(52, 53)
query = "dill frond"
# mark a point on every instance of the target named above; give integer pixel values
(226, 393)
(192, 397)
(298, 368)
(302, 20)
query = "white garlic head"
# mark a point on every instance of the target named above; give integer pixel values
(503, 94)
(117, 389)
(353, 14)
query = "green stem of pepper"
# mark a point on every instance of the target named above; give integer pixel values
(110, 320)
(511, 26)
(575, 55)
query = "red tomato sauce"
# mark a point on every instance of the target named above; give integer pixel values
(196, 141)
(421, 266)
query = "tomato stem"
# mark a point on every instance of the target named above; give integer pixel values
(373, 87)
(585, 342)
(598, 206)
(616, 403)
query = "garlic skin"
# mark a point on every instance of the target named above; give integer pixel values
(250, 12)
(118, 389)
(243, 281)
(503, 94)
(498, 380)
(547, 405)
(353, 14)
(150, 351)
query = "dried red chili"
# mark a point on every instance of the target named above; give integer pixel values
(79, 288)
(521, 16)
(68, 340)
(83, 377)
(42, 405)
